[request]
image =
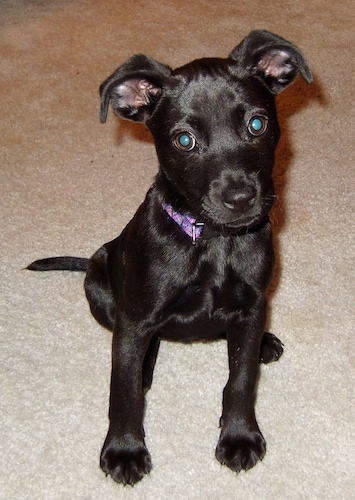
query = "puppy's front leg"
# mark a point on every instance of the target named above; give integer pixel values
(241, 443)
(124, 455)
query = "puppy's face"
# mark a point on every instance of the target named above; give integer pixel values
(215, 133)
(214, 123)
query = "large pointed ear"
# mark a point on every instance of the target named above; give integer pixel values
(134, 88)
(273, 60)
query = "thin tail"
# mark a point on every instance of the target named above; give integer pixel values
(60, 264)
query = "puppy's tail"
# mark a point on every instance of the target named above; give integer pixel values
(60, 264)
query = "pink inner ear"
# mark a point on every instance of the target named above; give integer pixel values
(273, 63)
(136, 93)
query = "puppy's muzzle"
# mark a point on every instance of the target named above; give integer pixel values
(234, 201)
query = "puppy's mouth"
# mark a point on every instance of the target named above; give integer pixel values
(240, 225)
(229, 220)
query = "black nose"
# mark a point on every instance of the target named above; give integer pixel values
(239, 198)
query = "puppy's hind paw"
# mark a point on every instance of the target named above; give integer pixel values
(271, 348)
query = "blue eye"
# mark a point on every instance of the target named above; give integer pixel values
(257, 125)
(184, 141)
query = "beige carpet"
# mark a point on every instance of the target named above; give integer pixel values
(69, 183)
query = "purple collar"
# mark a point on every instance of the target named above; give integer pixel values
(197, 230)
(187, 223)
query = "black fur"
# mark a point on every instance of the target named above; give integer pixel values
(215, 128)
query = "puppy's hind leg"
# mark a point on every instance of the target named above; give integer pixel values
(99, 291)
(149, 363)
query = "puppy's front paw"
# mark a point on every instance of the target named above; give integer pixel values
(241, 452)
(126, 465)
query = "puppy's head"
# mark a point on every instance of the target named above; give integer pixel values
(214, 124)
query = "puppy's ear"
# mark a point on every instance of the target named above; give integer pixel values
(271, 59)
(134, 88)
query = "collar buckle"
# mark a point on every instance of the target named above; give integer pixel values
(197, 230)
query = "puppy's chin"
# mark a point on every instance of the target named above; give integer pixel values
(246, 223)
(228, 220)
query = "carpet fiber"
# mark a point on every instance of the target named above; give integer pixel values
(69, 183)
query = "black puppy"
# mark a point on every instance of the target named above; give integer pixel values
(195, 261)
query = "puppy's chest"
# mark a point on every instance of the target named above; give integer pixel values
(206, 306)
